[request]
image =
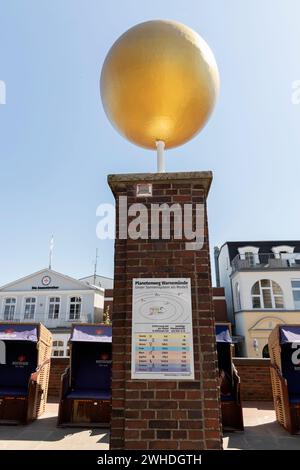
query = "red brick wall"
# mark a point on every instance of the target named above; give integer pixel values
(58, 366)
(220, 306)
(255, 378)
(254, 374)
(164, 414)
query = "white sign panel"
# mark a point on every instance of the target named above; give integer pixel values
(162, 329)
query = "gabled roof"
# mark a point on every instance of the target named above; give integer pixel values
(46, 271)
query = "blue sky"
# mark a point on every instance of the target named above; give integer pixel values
(57, 147)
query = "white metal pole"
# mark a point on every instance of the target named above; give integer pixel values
(51, 252)
(160, 146)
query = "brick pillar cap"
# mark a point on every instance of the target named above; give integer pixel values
(203, 178)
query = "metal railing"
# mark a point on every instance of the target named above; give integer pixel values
(266, 261)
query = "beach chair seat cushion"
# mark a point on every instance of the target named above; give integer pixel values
(89, 394)
(228, 397)
(13, 392)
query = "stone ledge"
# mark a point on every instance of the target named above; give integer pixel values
(204, 178)
(251, 361)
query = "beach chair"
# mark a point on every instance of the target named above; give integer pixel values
(284, 350)
(231, 407)
(25, 351)
(85, 398)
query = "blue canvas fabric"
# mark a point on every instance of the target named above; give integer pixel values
(91, 368)
(21, 361)
(289, 334)
(223, 334)
(92, 333)
(12, 332)
(290, 371)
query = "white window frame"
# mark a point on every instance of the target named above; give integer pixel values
(48, 306)
(273, 296)
(10, 305)
(31, 303)
(295, 289)
(69, 307)
(237, 293)
(60, 349)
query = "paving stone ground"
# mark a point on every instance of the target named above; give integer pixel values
(43, 434)
(261, 432)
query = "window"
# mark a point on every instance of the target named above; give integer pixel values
(237, 297)
(249, 254)
(58, 353)
(54, 307)
(9, 308)
(296, 293)
(58, 348)
(265, 351)
(75, 308)
(266, 294)
(249, 257)
(29, 310)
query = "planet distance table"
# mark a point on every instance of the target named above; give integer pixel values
(162, 333)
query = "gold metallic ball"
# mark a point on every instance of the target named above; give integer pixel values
(159, 81)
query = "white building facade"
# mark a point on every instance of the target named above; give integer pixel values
(262, 289)
(54, 299)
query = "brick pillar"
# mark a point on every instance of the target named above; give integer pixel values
(162, 414)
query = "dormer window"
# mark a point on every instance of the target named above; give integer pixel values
(249, 254)
(282, 249)
(284, 252)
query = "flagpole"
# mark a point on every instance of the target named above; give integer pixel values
(51, 252)
(95, 266)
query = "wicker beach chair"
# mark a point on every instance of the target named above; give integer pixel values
(85, 398)
(231, 407)
(284, 350)
(24, 371)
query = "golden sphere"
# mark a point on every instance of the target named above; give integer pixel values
(159, 81)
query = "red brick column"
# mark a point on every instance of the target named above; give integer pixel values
(164, 414)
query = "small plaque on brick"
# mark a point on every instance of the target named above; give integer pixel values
(144, 189)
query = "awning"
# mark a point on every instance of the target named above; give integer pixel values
(93, 333)
(223, 334)
(18, 332)
(289, 334)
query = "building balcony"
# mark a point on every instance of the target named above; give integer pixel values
(266, 261)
